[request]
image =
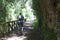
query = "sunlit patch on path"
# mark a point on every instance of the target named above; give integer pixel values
(16, 38)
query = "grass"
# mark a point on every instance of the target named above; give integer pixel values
(50, 34)
(58, 25)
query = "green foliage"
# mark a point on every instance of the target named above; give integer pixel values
(50, 34)
(14, 7)
(2, 12)
(58, 25)
(2, 17)
(10, 1)
(35, 24)
(37, 8)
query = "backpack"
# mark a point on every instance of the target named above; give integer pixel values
(20, 20)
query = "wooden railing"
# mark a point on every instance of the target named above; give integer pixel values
(8, 26)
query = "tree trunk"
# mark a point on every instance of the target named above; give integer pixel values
(49, 13)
